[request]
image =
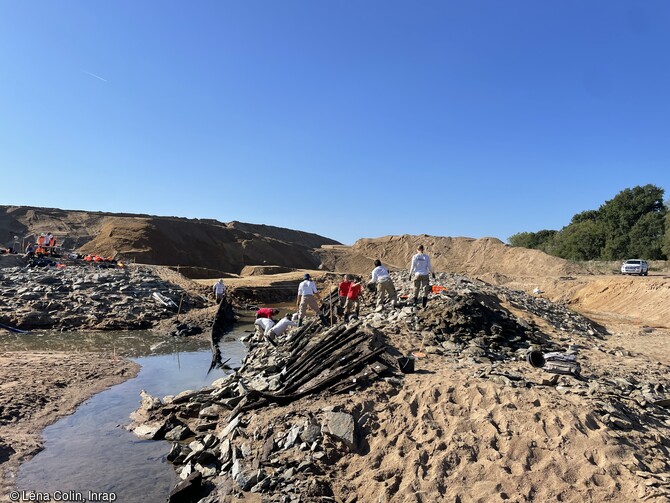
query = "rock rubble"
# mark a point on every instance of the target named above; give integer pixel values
(86, 297)
(289, 457)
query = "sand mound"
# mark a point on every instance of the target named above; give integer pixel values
(639, 300)
(343, 260)
(288, 235)
(474, 257)
(263, 270)
(213, 247)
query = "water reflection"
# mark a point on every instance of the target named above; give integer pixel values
(91, 449)
(130, 344)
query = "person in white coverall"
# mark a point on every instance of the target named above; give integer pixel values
(219, 291)
(419, 271)
(307, 297)
(381, 277)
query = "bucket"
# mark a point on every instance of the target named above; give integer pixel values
(406, 364)
(535, 358)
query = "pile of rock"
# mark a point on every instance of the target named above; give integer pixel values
(472, 319)
(286, 459)
(219, 449)
(86, 297)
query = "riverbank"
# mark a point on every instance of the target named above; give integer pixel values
(37, 389)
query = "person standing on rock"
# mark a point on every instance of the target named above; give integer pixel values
(420, 270)
(342, 291)
(385, 287)
(219, 291)
(307, 297)
(353, 298)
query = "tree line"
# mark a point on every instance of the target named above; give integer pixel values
(634, 224)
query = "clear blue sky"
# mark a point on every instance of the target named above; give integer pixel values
(349, 119)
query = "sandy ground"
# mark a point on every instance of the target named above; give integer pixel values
(449, 435)
(36, 389)
(445, 433)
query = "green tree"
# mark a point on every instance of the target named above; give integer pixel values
(535, 240)
(666, 240)
(579, 241)
(584, 216)
(522, 239)
(620, 215)
(646, 237)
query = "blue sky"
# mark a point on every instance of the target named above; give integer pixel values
(348, 119)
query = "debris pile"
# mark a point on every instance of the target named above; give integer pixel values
(75, 298)
(222, 449)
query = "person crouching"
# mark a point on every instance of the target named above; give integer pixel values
(267, 312)
(263, 327)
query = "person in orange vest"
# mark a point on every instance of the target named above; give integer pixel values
(52, 243)
(39, 249)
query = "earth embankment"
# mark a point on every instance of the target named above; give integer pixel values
(211, 248)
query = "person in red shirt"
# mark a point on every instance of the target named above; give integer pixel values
(353, 298)
(343, 290)
(267, 312)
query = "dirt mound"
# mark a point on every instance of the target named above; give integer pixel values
(473, 257)
(638, 300)
(177, 242)
(264, 270)
(213, 247)
(343, 260)
(287, 235)
(71, 228)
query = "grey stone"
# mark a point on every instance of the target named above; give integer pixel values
(291, 437)
(187, 490)
(207, 470)
(246, 479)
(311, 433)
(175, 451)
(150, 431)
(178, 433)
(212, 411)
(262, 486)
(228, 429)
(225, 451)
(341, 426)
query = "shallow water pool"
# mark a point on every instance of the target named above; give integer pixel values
(91, 450)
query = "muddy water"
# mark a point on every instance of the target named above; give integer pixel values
(91, 450)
